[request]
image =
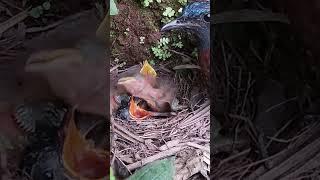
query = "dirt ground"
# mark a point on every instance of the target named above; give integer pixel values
(139, 22)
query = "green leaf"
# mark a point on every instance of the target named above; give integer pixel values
(169, 12)
(183, 2)
(113, 8)
(36, 12)
(164, 41)
(152, 62)
(146, 3)
(112, 177)
(46, 5)
(158, 170)
(178, 44)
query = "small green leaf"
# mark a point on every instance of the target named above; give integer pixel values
(195, 53)
(36, 12)
(111, 175)
(146, 3)
(46, 5)
(169, 12)
(183, 2)
(158, 170)
(178, 44)
(152, 62)
(113, 8)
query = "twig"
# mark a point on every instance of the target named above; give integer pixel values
(128, 132)
(195, 145)
(55, 24)
(244, 173)
(301, 156)
(11, 5)
(239, 117)
(255, 53)
(200, 140)
(280, 104)
(123, 164)
(155, 157)
(181, 54)
(262, 161)
(230, 158)
(280, 131)
(198, 112)
(114, 67)
(249, 85)
(292, 148)
(13, 21)
(113, 158)
(186, 66)
(284, 140)
(45, 28)
(187, 121)
(227, 93)
(239, 89)
(125, 136)
(247, 15)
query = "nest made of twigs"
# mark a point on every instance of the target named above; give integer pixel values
(185, 136)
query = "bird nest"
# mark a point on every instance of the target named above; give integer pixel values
(185, 135)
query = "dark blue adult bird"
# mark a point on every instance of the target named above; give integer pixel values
(195, 18)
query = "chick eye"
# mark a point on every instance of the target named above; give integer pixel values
(206, 18)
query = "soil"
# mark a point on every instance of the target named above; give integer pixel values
(128, 26)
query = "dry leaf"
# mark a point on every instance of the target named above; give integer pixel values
(80, 159)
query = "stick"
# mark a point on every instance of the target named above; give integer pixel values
(13, 21)
(128, 132)
(155, 157)
(55, 24)
(125, 136)
(247, 15)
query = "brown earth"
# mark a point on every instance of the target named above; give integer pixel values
(141, 23)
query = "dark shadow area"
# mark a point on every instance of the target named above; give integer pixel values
(265, 83)
(54, 90)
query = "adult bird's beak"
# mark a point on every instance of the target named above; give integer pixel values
(179, 23)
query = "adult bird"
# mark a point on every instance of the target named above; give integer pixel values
(195, 18)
